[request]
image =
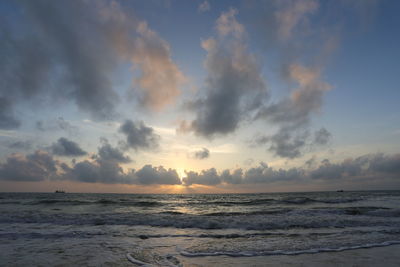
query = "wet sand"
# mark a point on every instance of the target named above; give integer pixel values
(380, 256)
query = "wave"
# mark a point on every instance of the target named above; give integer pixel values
(9, 202)
(283, 252)
(360, 211)
(271, 201)
(247, 222)
(143, 258)
(234, 203)
(225, 236)
(153, 202)
(59, 201)
(307, 200)
(260, 212)
(100, 201)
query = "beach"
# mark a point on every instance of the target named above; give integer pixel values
(58, 254)
(272, 229)
(371, 257)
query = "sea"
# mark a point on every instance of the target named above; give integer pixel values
(68, 229)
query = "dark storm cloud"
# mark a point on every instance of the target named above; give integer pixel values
(202, 154)
(67, 148)
(234, 86)
(139, 136)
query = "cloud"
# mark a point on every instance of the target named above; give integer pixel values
(24, 145)
(40, 165)
(228, 25)
(256, 175)
(292, 13)
(139, 136)
(202, 154)
(100, 171)
(109, 172)
(234, 85)
(265, 174)
(322, 136)
(108, 153)
(304, 100)
(67, 148)
(60, 59)
(292, 114)
(286, 144)
(157, 175)
(371, 166)
(302, 42)
(205, 177)
(72, 54)
(34, 167)
(105, 168)
(389, 164)
(204, 6)
(7, 119)
(248, 162)
(236, 177)
(58, 124)
(160, 77)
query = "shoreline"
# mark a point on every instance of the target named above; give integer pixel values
(387, 256)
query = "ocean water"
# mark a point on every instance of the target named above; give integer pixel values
(162, 230)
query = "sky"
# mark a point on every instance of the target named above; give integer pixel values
(174, 96)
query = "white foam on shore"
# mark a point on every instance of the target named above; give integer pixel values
(138, 262)
(164, 262)
(283, 252)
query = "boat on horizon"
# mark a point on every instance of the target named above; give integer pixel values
(60, 191)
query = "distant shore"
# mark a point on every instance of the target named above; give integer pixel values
(388, 256)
